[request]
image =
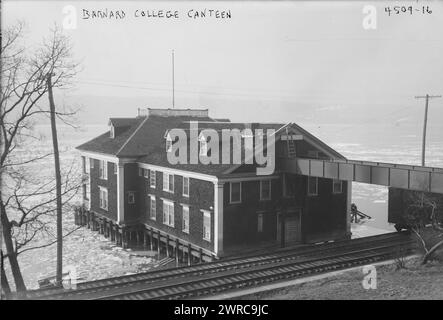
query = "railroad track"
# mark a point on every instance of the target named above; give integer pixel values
(97, 288)
(258, 275)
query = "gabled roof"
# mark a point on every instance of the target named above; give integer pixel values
(144, 139)
(105, 144)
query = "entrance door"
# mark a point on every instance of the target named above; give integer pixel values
(292, 226)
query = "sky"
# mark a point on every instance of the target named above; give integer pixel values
(276, 61)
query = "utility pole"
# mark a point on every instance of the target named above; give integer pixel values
(423, 150)
(173, 82)
(58, 184)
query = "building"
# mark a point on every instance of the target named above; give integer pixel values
(208, 210)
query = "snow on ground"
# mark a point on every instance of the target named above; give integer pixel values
(361, 230)
(93, 256)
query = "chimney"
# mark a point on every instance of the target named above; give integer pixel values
(195, 113)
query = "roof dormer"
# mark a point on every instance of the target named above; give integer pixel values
(119, 125)
(168, 142)
(112, 132)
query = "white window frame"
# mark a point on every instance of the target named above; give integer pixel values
(103, 169)
(260, 220)
(87, 165)
(230, 192)
(334, 182)
(103, 202)
(261, 190)
(152, 213)
(167, 178)
(131, 197)
(152, 179)
(86, 194)
(185, 218)
(207, 230)
(316, 186)
(168, 143)
(168, 217)
(183, 187)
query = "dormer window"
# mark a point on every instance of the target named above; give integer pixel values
(168, 143)
(203, 146)
(112, 132)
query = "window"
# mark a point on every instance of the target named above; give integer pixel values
(152, 179)
(168, 143)
(103, 169)
(186, 186)
(140, 172)
(153, 208)
(131, 197)
(203, 146)
(115, 168)
(260, 222)
(235, 196)
(168, 182)
(146, 173)
(337, 186)
(207, 225)
(103, 198)
(86, 191)
(168, 213)
(91, 163)
(185, 221)
(112, 132)
(84, 165)
(312, 186)
(265, 190)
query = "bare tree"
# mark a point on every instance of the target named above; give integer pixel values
(424, 210)
(24, 84)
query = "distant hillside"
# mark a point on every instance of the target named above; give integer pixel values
(97, 109)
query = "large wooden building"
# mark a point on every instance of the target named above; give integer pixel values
(208, 210)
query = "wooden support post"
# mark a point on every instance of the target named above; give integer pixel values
(151, 232)
(167, 245)
(282, 230)
(177, 243)
(183, 254)
(189, 254)
(111, 230)
(200, 253)
(158, 243)
(145, 240)
(138, 237)
(124, 238)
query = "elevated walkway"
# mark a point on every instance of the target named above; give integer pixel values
(400, 176)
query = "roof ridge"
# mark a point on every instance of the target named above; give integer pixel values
(132, 135)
